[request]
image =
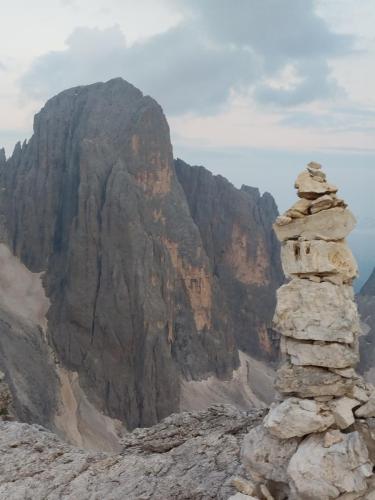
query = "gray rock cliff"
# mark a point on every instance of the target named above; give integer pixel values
(135, 295)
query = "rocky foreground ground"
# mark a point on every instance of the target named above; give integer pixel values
(186, 456)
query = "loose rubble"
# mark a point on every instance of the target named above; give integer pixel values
(317, 441)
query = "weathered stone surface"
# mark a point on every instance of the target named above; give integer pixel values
(310, 186)
(316, 311)
(320, 473)
(368, 409)
(331, 437)
(5, 398)
(243, 251)
(347, 373)
(360, 394)
(322, 203)
(267, 455)
(319, 174)
(310, 381)
(366, 428)
(330, 225)
(282, 220)
(135, 268)
(314, 165)
(296, 417)
(342, 410)
(243, 486)
(29, 369)
(332, 355)
(188, 455)
(366, 307)
(320, 258)
(301, 206)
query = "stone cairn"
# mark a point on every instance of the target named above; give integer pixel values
(316, 442)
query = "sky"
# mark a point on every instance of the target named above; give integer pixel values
(252, 89)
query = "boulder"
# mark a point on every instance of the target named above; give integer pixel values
(322, 203)
(310, 381)
(266, 455)
(313, 186)
(332, 355)
(330, 225)
(316, 311)
(296, 417)
(318, 174)
(321, 258)
(301, 206)
(322, 473)
(368, 409)
(342, 411)
(366, 428)
(360, 394)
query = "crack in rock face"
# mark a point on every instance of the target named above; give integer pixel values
(317, 441)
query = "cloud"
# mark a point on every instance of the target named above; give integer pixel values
(337, 119)
(314, 82)
(219, 48)
(2, 66)
(275, 29)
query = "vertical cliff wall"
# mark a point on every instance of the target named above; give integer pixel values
(236, 230)
(149, 282)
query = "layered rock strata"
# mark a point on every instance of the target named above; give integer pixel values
(317, 439)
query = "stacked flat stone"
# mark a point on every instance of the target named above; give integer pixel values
(316, 313)
(311, 441)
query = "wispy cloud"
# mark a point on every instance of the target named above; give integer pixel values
(219, 48)
(336, 119)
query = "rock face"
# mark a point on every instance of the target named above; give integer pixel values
(149, 282)
(190, 455)
(366, 307)
(5, 398)
(242, 250)
(319, 323)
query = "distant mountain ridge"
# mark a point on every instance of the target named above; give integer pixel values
(366, 307)
(146, 275)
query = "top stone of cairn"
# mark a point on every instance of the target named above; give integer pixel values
(319, 214)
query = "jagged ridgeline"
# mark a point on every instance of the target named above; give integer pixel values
(139, 286)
